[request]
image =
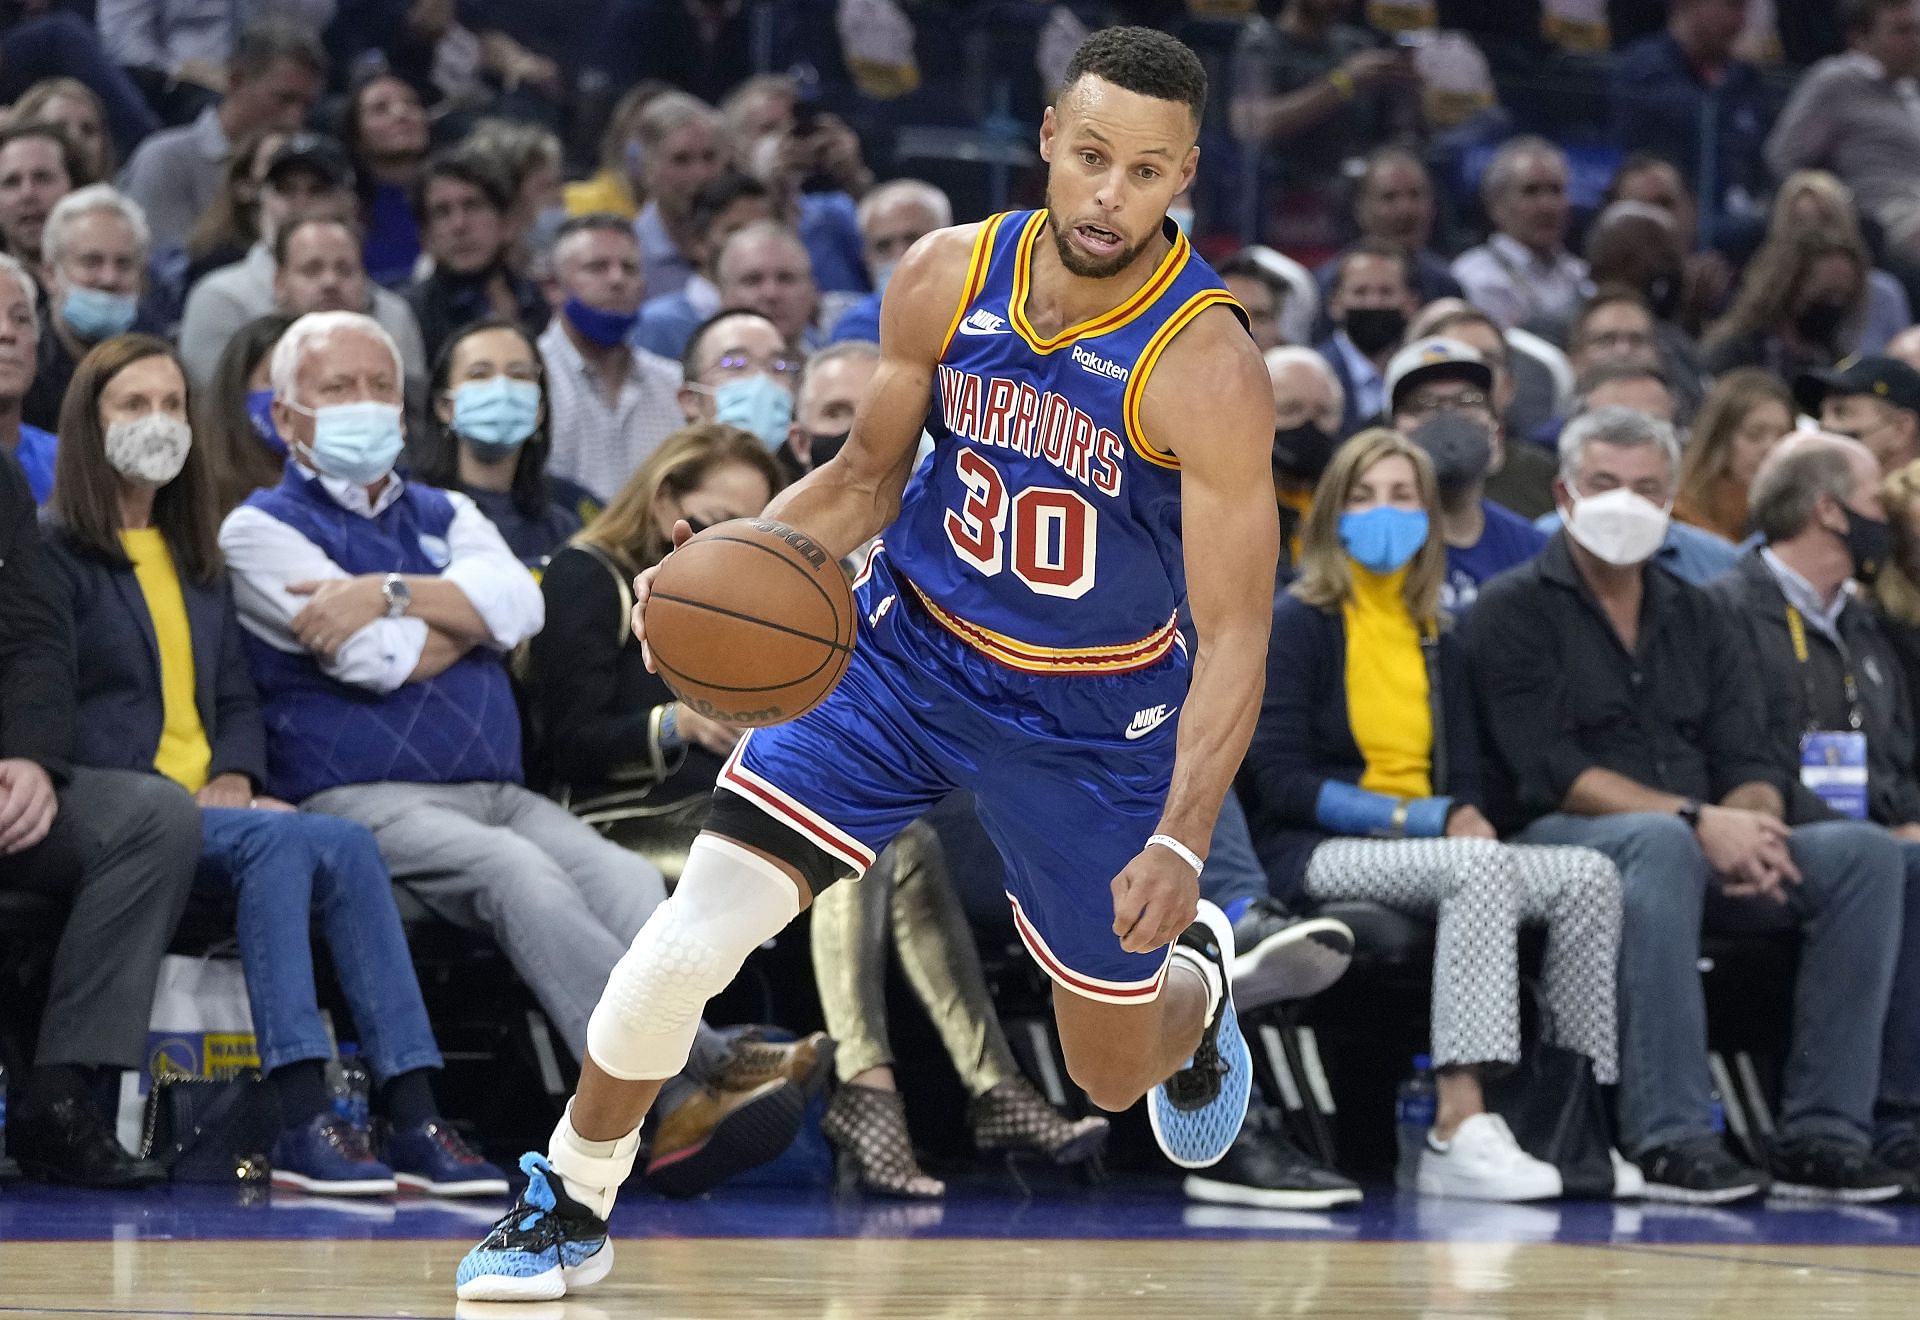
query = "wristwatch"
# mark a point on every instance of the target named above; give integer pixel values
(399, 595)
(1689, 811)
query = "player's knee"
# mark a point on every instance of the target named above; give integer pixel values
(728, 903)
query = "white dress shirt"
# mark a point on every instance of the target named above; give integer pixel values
(1513, 284)
(266, 556)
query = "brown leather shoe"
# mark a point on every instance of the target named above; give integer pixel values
(719, 1133)
(806, 1062)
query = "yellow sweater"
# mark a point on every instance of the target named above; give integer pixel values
(1387, 694)
(184, 755)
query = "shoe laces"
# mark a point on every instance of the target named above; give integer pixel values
(755, 1061)
(451, 1143)
(348, 1140)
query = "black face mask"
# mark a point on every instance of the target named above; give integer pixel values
(1664, 293)
(1374, 330)
(1461, 450)
(1302, 452)
(1869, 542)
(1820, 321)
(822, 448)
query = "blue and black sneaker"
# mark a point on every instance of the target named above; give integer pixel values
(545, 1245)
(1197, 1112)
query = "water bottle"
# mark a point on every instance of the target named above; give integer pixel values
(1414, 1108)
(352, 1088)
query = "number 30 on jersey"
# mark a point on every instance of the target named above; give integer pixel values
(1044, 536)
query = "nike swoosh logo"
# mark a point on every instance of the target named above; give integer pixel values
(969, 328)
(1141, 731)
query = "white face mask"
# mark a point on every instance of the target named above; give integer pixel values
(150, 449)
(1620, 527)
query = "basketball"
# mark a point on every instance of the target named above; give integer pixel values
(751, 623)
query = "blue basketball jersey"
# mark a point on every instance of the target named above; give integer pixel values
(1045, 528)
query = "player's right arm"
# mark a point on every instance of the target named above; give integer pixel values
(847, 502)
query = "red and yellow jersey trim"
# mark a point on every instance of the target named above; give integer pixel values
(1031, 659)
(1162, 279)
(976, 276)
(1137, 382)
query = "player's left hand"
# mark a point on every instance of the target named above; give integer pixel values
(1155, 898)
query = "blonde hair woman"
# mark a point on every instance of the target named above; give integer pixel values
(1363, 783)
(1745, 415)
(1814, 199)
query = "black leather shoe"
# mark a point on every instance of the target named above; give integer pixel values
(68, 1142)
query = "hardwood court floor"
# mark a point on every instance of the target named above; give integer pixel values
(880, 1279)
(1132, 1250)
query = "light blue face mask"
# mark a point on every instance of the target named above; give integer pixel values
(755, 403)
(1383, 539)
(497, 414)
(94, 315)
(357, 442)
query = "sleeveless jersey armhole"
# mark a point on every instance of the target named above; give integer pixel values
(976, 277)
(1150, 355)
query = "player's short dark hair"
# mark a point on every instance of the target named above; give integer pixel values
(1143, 61)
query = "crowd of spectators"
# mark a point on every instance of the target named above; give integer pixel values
(354, 357)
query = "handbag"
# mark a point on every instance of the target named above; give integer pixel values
(208, 1130)
(1553, 1105)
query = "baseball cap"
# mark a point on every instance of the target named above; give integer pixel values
(1887, 379)
(1435, 358)
(314, 152)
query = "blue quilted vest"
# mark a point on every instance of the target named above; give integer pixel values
(322, 733)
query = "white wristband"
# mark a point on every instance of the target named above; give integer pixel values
(1180, 850)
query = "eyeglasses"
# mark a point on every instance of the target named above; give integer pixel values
(1425, 405)
(779, 366)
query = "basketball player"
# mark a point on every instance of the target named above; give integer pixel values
(1093, 393)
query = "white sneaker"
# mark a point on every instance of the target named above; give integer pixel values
(1629, 1184)
(1484, 1163)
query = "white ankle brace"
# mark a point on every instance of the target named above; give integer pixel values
(592, 1171)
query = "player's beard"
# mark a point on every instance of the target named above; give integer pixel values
(1077, 262)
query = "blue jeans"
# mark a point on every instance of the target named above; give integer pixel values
(282, 868)
(1897, 1115)
(1848, 907)
(1232, 872)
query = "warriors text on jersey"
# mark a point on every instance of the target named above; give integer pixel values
(1046, 526)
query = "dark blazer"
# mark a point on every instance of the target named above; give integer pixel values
(36, 636)
(1351, 420)
(1754, 599)
(593, 698)
(1304, 737)
(121, 712)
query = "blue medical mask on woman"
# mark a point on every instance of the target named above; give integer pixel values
(358, 442)
(94, 314)
(260, 413)
(756, 404)
(1383, 539)
(496, 414)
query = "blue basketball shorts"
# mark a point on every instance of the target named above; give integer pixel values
(1069, 773)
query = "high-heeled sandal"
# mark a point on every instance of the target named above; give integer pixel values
(1016, 1119)
(867, 1128)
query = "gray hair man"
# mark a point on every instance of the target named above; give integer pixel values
(831, 387)
(1624, 715)
(94, 254)
(893, 217)
(1826, 665)
(1523, 273)
(33, 447)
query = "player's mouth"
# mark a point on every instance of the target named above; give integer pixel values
(1099, 240)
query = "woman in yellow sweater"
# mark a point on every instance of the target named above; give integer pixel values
(1363, 783)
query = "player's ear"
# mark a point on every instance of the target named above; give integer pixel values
(1188, 168)
(1049, 125)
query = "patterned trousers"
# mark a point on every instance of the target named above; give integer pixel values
(1478, 892)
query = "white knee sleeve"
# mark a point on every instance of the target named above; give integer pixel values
(729, 902)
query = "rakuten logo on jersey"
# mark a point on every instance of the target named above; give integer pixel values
(1098, 365)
